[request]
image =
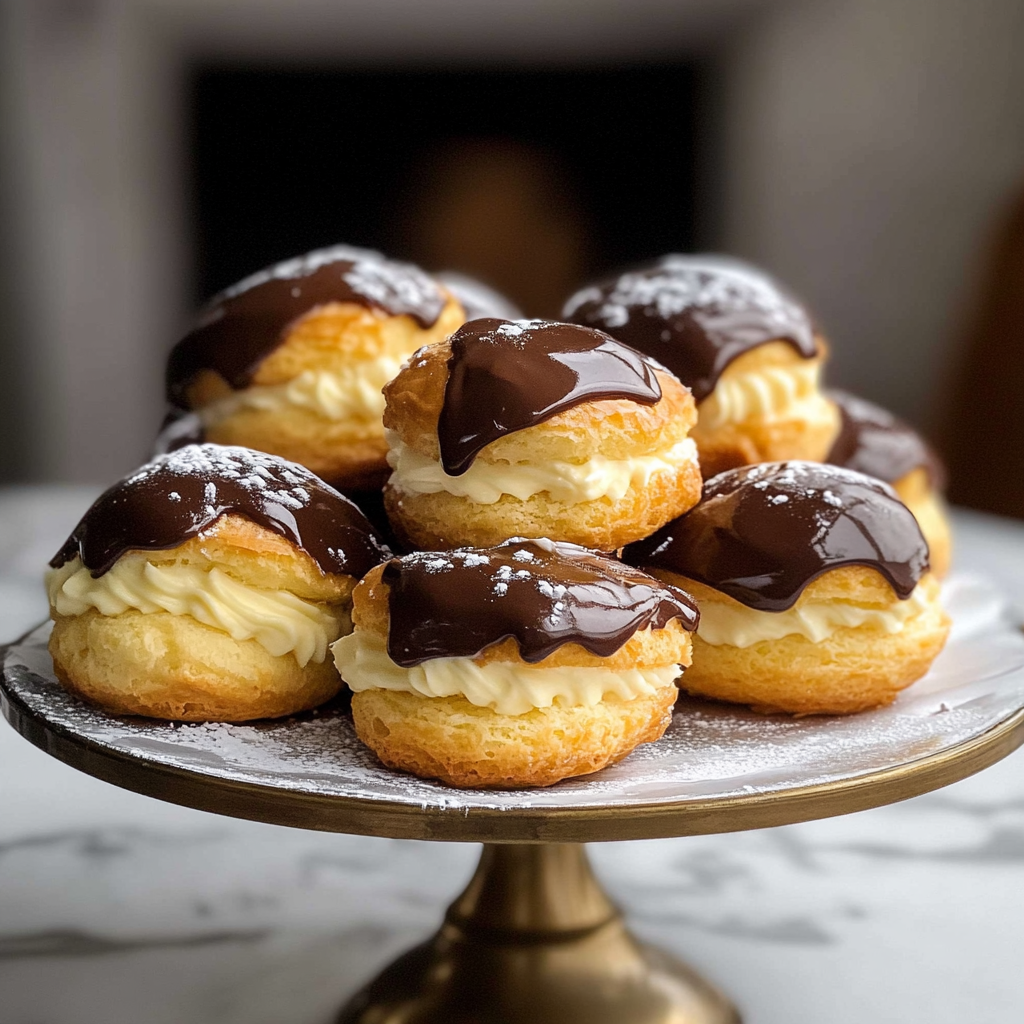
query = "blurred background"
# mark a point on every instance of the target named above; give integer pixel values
(868, 152)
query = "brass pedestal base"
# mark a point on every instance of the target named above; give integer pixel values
(534, 940)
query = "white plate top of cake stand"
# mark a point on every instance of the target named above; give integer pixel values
(719, 768)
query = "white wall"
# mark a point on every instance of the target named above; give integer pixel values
(95, 210)
(868, 146)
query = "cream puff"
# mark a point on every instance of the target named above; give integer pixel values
(531, 428)
(814, 589)
(291, 361)
(872, 440)
(748, 351)
(207, 586)
(516, 665)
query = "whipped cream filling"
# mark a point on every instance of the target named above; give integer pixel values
(353, 393)
(509, 688)
(570, 482)
(766, 394)
(738, 626)
(276, 619)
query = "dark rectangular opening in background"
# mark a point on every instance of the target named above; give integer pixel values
(595, 166)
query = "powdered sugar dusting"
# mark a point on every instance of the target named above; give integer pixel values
(550, 569)
(185, 493)
(802, 482)
(299, 267)
(391, 285)
(255, 472)
(516, 332)
(680, 283)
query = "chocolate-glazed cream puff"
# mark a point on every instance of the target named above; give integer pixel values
(517, 665)
(536, 429)
(291, 361)
(748, 351)
(872, 440)
(814, 589)
(207, 586)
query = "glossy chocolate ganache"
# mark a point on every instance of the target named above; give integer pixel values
(872, 440)
(176, 496)
(241, 326)
(762, 533)
(453, 604)
(507, 375)
(695, 315)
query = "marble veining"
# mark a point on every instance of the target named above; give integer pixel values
(67, 942)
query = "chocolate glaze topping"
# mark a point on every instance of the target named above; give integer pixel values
(872, 440)
(507, 375)
(695, 315)
(241, 326)
(762, 533)
(453, 604)
(176, 496)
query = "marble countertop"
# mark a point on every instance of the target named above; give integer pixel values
(119, 909)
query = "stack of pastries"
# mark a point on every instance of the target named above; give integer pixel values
(547, 528)
(291, 360)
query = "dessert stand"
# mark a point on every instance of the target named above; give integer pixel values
(534, 938)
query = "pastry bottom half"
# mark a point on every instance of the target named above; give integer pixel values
(170, 666)
(854, 669)
(346, 454)
(450, 739)
(440, 521)
(743, 444)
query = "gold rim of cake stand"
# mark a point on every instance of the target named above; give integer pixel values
(652, 820)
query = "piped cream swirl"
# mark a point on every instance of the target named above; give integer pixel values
(351, 393)
(509, 688)
(767, 393)
(571, 482)
(735, 625)
(277, 619)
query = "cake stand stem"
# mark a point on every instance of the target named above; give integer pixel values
(535, 940)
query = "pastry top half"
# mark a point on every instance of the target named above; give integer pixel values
(872, 440)
(538, 595)
(253, 501)
(505, 376)
(763, 534)
(496, 379)
(697, 315)
(238, 337)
